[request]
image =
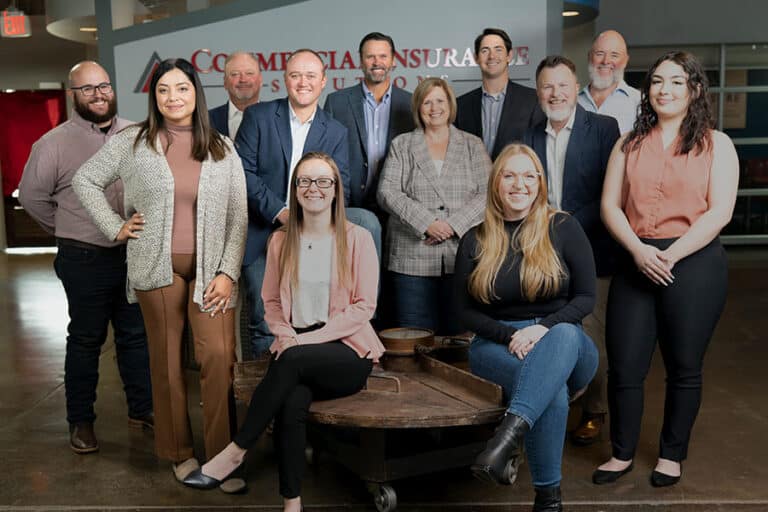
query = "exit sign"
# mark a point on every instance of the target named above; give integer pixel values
(14, 23)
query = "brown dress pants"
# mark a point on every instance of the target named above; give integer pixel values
(165, 311)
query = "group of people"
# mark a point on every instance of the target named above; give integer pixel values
(516, 214)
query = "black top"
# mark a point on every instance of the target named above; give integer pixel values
(573, 301)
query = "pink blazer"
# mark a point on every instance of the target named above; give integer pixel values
(351, 306)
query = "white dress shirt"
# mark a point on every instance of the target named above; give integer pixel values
(557, 145)
(234, 118)
(299, 132)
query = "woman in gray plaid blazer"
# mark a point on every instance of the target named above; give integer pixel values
(433, 185)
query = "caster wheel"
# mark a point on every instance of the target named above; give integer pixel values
(510, 471)
(384, 498)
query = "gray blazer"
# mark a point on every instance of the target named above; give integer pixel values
(414, 195)
(148, 183)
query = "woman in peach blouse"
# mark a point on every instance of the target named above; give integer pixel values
(319, 294)
(669, 189)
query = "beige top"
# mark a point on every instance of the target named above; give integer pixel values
(177, 143)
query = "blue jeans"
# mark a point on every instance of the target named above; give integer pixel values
(94, 282)
(368, 220)
(424, 302)
(259, 334)
(538, 388)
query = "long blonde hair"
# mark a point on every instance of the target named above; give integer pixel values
(289, 254)
(540, 267)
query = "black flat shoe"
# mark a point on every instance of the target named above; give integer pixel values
(503, 453)
(659, 479)
(548, 499)
(199, 480)
(603, 476)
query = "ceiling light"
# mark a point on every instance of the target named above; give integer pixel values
(569, 14)
(88, 29)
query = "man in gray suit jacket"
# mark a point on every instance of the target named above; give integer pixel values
(374, 111)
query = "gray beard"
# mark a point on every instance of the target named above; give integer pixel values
(600, 83)
(557, 115)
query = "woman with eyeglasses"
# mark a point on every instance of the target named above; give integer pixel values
(525, 279)
(185, 200)
(319, 294)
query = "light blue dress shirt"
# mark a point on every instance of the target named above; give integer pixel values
(377, 128)
(622, 105)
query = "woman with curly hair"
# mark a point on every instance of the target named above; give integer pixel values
(669, 189)
(525, 279)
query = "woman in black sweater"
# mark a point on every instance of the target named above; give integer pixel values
(525, 279)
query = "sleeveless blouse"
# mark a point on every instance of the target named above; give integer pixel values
(665, 193)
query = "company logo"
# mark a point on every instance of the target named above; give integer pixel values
(146, 76)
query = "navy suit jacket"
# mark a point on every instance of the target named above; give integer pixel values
(346, 106)
(219, 117)
(520, 112)
(264, 144)
(586, 159)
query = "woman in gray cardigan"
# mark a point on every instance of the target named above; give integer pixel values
(185, 201)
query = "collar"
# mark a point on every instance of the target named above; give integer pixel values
(568, 126)
(623, 88)
(87, 125)
(295, 119)
(368, 94)
(498, 96)
(233, 111)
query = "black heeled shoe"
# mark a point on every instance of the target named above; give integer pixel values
(548, 499)
(659, 479)
(502, 455)
(199, 480)
(604, 476)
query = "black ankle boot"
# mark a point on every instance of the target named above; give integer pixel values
(548, 499)
(502, 455)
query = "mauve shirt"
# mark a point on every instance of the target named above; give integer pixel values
(45, 190)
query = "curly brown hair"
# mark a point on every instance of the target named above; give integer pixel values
(695, 132)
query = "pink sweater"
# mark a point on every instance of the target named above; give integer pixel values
(351, 306)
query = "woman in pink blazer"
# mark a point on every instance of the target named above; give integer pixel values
(319, 294)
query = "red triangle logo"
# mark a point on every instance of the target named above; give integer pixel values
(146, 77)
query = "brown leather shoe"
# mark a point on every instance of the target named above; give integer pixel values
(146, 422)
(82, 438)
(588, 430)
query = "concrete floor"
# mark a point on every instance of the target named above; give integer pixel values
(726, 470)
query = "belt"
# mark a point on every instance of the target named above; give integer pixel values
(68, 242)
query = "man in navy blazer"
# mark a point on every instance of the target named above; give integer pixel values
(500, 111)
(574, 146)
(242, 80)
(374, 112)
(272, 138)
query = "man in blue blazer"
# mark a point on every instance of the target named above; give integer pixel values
(500, 111)
(374, 112)
(272, 138)
(574, 146)
(242, 80)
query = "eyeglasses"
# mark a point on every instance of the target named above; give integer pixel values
(529, 178)
(90, 90)
(304, 182)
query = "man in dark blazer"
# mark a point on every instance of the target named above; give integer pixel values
(500, 111)
(272, 138)
(374, 112)
(574, 146)
(242, 80)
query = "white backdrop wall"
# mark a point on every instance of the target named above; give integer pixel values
(432, 38)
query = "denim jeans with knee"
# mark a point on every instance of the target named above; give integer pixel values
(368, 220)
(538, 388)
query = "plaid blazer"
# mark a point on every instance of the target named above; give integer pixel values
(411, 191)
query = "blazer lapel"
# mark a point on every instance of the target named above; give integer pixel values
(540, 144)
(316, 131)
(423, 161)
(356, 106)
(573, 154)
(283, 127)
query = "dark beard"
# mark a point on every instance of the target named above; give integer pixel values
(84, 112)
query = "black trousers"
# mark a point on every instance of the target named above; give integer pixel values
(682, 317)
(302, 374)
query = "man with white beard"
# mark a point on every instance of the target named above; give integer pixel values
(574, 146)
(607, 92)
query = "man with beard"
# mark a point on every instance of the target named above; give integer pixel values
(499, 111)
(242, 80)
(574, 146)
(91, 268)
(607, 92)
(374, 112)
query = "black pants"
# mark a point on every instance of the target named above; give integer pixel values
(302, 374)
(682, 317)
(94, 282)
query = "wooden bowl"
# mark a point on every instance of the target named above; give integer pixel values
(402, 341)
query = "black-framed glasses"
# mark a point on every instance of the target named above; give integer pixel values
(90, 90)
(304, 182)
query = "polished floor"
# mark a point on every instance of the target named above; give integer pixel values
(727, 469)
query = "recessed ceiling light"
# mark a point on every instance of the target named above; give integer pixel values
(88, 29)
(568, 14)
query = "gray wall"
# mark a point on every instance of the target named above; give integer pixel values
(676, 22)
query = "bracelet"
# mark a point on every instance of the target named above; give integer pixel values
(222, 273)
